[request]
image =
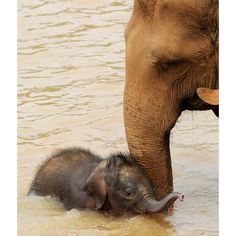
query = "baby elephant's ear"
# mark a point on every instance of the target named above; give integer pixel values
(96, 186)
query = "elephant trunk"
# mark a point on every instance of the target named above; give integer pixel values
(151, 205)
(148, 123)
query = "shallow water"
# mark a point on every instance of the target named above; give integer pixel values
(70, 91)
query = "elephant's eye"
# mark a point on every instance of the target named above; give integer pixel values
(171, 64)
(128, 196)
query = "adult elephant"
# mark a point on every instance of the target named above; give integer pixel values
(171, 57)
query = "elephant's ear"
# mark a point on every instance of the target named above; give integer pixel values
(210, 96)
(96, 186)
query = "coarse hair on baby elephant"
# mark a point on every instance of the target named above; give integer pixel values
(84, 180)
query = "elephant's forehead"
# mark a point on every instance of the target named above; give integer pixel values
(175, 25)
(150, 6)
(192, 16)
(127, 171)
(133, 176)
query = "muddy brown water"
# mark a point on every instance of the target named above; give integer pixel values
(70, 91)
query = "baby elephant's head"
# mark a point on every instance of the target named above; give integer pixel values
(120, 180)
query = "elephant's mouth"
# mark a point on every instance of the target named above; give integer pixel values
(107, 205)
(197, 102)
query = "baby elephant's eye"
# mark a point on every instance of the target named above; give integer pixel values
(128, 195)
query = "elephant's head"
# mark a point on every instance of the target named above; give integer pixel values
(120, 181)
(171, 51)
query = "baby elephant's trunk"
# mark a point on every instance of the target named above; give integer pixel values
(150, 204)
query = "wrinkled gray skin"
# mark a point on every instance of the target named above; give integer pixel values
(171, 65)
(83, 180)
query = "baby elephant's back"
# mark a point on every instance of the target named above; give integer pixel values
(60, 167)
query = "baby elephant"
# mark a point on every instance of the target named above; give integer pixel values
(83, 180)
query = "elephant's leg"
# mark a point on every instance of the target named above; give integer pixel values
(148, 123)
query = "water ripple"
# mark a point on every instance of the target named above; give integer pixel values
(71, 72)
